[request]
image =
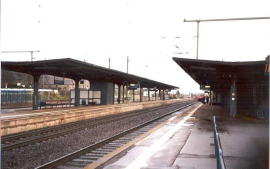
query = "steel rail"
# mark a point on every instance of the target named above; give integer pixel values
(50, 128)
(94, 146)
(64, 129)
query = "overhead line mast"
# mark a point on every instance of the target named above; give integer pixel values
(24, 51)
(217, 20)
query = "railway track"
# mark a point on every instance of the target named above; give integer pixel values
(13, 141)
(91, 153)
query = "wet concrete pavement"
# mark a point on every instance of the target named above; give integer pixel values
(190, 146)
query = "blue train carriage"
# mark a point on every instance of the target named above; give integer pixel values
(14, 98)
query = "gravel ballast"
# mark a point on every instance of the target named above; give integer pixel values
(37, 154)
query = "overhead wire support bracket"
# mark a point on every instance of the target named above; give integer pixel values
(217, 20)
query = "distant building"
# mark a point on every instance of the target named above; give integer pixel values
(21, 80)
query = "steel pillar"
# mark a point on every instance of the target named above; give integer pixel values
(133, 93)
(35, 96)
(77, 92)
(198, 34)
(141, 93)
(233, 99)
(127, 92)
(119, 94)
(123, 94)
(148, 90)
(113, 93)
(163, 94)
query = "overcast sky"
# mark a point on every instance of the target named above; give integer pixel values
(144, 30)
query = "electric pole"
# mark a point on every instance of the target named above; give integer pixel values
(109, 63)
(127, 63)
(216, 20)
(24, 51)
(198, 32)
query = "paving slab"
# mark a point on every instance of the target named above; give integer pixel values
(160, 149)
(199, 143)
(167, 155)
(197, 153)
(196, 163)
(245, 144)
(132, 155)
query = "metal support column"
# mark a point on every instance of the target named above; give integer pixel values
(133, 93)
(198, 34)
(123, 94)
(113, 98)
(141, 93)
(155, 95)
(127, 93)
(233, 99)
(163, 94)
(148, 90)
(88, 96)
(119, 94)
(77, 92)
(35, 99)
(215, 20)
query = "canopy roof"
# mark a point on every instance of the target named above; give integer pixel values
(76, 69)
(219, 74)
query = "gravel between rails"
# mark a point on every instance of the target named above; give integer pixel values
(34, 155)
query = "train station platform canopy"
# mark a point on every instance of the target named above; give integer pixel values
(219, 74)
(75, 69)
(241, 87)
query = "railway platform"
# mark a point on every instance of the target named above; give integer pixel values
(25, 120)
(188, 143)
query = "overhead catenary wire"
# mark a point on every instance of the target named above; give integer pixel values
(23, 51)
(218, 20)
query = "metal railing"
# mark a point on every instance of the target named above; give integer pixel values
(218, 148)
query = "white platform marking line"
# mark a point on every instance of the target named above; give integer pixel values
(141, 160)
(24, 115)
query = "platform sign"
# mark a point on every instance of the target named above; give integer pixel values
(133, 86)
(97, 94)
(59, 80)
(205, 87)
(68, 81)
(47, 79)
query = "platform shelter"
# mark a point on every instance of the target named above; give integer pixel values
(241, 87)
(101, 78)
